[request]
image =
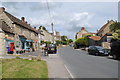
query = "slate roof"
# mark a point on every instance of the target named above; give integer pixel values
(104, 26)
(5, 27)
(20, 22)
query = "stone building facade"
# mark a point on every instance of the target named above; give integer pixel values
(25, 38)
(46, 36)
(105, 34)
(80, 33)
(57, 36)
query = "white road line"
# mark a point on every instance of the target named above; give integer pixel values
(69, 71)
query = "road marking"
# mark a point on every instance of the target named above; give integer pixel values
(69, 71)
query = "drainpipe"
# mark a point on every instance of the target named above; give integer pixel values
(15, 38)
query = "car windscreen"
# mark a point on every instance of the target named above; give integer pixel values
(100, 48)
(52, 45)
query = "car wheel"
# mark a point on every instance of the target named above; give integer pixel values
(114, 56)
(89, 53)
(97, 54)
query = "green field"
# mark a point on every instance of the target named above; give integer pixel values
(21, 68)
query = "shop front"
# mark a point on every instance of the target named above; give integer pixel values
(29, 45)
(9, 46)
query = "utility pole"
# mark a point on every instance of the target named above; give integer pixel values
(52, 33)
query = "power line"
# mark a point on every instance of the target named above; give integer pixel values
(49, 11)
(50, 20)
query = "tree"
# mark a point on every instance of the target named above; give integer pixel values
(70, 40)
(58, 42)
(116, 35)
(64, 38)
(115, 26)
(86, 38)
(80, 42)
(43, 28)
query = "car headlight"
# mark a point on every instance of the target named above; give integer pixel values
(101, 51)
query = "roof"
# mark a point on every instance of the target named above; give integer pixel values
(5, 27)
(96, 38)
(104, 26)
(87, 34)
(82, 29)
(20, 22)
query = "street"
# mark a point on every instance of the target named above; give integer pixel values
(82, 65)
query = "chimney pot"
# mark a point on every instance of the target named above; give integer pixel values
(34, 28)
(2, 9)
(83, 28)
(23, 19)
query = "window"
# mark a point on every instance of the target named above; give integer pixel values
(30, 34)
(22, 30)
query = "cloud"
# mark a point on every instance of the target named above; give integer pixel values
(80, 20)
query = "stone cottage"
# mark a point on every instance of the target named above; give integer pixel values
(25, 38)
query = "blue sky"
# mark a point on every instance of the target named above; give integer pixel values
(68, 17)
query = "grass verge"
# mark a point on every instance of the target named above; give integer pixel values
(22, 68)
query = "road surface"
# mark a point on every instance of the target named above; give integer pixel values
(82, 65)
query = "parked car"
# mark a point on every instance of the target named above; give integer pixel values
(115, 50)
(98, 50)
(52, 48)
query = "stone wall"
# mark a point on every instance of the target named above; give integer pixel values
(2, 44)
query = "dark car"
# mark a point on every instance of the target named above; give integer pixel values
(98, 50)
(52, 48)
(115, 50)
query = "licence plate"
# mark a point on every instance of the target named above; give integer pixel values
(52, 49)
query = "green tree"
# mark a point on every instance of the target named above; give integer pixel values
(115, 26)
(43, 28)
(70, 40)
(80, 42)
(86, 38)
(116, 35)
(64, 38)
(58, 42)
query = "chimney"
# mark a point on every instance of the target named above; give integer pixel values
(2, 9)
(83, 28)
(29, 24)
(97, 30)
(23, 19)
(34, 28)
(26, 22)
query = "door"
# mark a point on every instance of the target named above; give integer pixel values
(11, 47)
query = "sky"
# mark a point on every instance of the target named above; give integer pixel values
(67, 17)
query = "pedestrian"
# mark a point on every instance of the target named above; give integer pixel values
(46, 50)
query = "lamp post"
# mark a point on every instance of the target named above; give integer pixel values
(52, 33)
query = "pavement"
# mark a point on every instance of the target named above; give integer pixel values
(81, 65)
(57, 68)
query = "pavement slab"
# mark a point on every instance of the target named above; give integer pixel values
(57, 69)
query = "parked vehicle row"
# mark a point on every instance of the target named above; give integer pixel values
(98, 50)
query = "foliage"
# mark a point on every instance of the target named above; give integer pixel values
(64, 38)
(115, 26)
(116, 35)
(70, 40)
(47, 42)
(58, 42)
(80, 41)
(86, 38)
(43, 28)
(84, 41)
(64, 42)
